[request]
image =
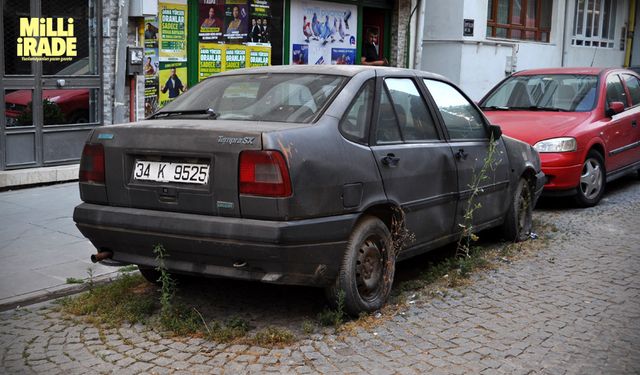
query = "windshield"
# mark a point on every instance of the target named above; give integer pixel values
(561, 92)
(260, 97)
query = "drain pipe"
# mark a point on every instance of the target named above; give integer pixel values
(417, 55)
(121, 63)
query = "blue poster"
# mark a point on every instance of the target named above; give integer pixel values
(300, 54)
(343, 56)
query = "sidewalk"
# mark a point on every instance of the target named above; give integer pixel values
(40, 246)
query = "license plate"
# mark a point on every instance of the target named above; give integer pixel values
(171, 172)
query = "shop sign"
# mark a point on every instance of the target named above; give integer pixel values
(46, 39)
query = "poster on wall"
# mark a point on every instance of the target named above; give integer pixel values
(235, 57)
(236, 21)
(172, 78)
(151, 65)
(258, 56)
(172, 19)
(211, 59)
(211, 20)
(259, 28)
(323, 33)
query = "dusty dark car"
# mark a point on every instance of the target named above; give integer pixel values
(300, 175)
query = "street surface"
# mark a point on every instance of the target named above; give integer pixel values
(571, 308)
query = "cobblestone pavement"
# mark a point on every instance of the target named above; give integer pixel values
(571, 308)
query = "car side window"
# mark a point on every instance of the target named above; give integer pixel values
(633, 84)
(387, 130)
(416, 123)
(615, 91)
(461, 118)
(354, 122)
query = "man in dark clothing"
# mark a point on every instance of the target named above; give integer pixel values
(173, 85)
(370, 51)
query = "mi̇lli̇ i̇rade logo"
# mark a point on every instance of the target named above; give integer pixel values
(46, 39)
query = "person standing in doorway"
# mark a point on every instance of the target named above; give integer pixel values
(371, 51)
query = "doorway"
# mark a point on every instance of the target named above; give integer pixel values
(377, 20)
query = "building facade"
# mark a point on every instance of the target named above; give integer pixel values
(476, 43)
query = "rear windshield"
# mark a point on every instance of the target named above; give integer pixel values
(564, 92)
(261, 97)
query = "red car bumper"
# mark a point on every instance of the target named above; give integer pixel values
(562, 170)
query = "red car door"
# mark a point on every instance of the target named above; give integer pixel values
(632, 86)
(618, 134)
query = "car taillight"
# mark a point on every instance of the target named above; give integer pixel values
(92, 164)
(264, 173)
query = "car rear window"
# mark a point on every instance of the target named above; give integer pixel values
(295, 98)
(563, 92)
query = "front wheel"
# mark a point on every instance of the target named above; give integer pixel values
(519, 221)
(367, 270)
(592, 181)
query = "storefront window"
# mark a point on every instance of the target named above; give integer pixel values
(13, 10)
(79, 22)
(69, 106)
(17, 104)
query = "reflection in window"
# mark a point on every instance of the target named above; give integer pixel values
(634, 88)
(69, 106)
(387, 126)
(461, 118)
(18, 107)
(415, 121)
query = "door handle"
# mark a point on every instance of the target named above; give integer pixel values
(634, 124)
(461, 155)
(390, 160)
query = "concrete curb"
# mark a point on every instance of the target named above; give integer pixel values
(38, 176)
(57, 291)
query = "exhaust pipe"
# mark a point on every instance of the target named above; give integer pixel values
(95, 258)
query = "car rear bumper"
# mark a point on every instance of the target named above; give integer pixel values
(302, 252)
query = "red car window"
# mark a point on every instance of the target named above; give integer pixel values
(633, 86)
(615, 91)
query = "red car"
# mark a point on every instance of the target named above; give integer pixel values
(582, 121)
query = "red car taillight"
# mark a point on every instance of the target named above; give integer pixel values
(264, 173)
(92, 164)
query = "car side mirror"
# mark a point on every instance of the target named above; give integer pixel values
(614, 108)
(495, 132)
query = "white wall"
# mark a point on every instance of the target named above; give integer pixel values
(477, 63)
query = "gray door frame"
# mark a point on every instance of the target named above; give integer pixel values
(37, 82)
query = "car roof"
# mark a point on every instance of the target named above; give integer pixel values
(577, 70)
(343, 70)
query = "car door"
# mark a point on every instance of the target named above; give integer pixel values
(619, 131)
(487, 180)
(415, 163)
(632, 85)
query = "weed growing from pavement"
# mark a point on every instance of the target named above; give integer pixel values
(90, 280)
(73, 280)
(478, 178)
(308, 327)
(273, 336)
(334, 317)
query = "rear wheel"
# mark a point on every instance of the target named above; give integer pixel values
(592, 180)
(519, 221)
(367, 270)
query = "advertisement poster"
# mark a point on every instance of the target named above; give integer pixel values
(173, 80)
(151, 65)
(236, 21)
(211, 20)
(259, 56)
(325, 31)
(211, 58)
(259, 29)
(172, 19)
(235, 57)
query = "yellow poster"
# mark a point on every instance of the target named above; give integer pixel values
(235, 57)
(259, 56)
(172, 22)
(211, 59)
(173, 81)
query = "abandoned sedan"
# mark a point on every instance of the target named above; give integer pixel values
(322, 176)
